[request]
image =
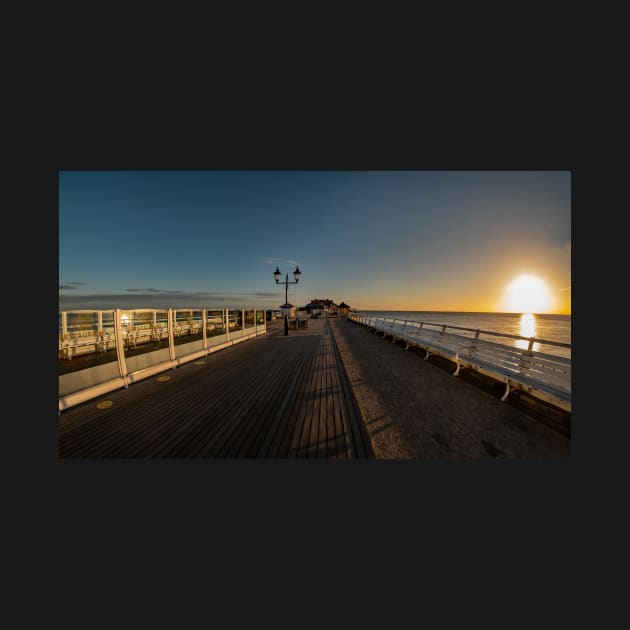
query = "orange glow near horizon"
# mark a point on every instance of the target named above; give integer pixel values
(524, 293)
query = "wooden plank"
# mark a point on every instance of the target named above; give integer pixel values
(313, 448)
(322, 426)
(273, 381)
(286, 421)
(306, 435)
(266, 406)
(342, 436)
(189, 409)
(130, 406)
(301, 430)
(235, 418)
(342, 446)
(344, 418)
(141, 403)
(361, 445)
(329, 410)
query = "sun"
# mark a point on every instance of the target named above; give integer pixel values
(527, 294)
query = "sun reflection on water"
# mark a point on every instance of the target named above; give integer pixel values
(527, 329)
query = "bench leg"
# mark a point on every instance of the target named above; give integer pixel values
(456, 372)
(428, 355)
(508, 389)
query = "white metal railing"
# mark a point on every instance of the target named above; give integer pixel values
(386, 324)
(103, 350)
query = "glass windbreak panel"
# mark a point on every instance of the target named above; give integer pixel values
(214, 322)
(260, 318)
(187, 331)
(160, 328)
(187, 326)
(86, 339)
(249, 319)
(145, 337)
(144, 330)
(235, 318)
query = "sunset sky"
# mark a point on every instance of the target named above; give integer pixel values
(378, 240)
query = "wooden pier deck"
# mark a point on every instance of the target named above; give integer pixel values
(276, 396)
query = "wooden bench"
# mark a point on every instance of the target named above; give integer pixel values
(544, 376)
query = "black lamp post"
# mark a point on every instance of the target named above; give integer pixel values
(276, 274)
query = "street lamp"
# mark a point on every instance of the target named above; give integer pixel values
(276, 274)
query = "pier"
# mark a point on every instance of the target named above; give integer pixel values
(331, 390)
(274, 396)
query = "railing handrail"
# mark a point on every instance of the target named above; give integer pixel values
(532, 340)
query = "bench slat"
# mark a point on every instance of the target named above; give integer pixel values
(544, 376)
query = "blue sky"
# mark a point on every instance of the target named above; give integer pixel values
(430, 240)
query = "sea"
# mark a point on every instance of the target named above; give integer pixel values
(544, 327)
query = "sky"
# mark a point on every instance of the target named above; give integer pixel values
(477, 241)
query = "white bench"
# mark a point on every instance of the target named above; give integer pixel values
(67, 344)
(433, 342)
(84, 342)
(544, 376)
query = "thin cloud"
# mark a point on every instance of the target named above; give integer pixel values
(70, 286)
(166, 291)
(202, 294)
(280, 261)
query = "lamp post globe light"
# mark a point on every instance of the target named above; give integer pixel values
(277, 275)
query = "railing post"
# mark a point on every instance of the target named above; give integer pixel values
(227, 324)
(204, 325)
(171, 333)
(120, 346)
